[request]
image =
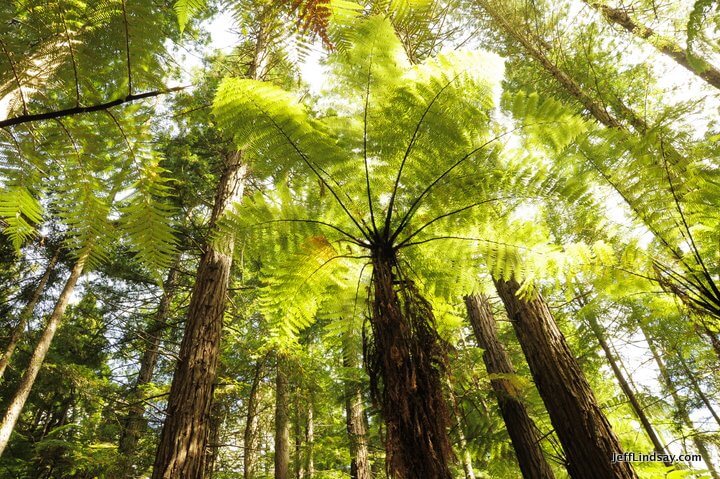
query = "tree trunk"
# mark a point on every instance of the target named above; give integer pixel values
(521, 428)
(41, 349)
(26, 314)
(282, 421)
(181, 451)
(532, 47)
(299, 434)
(134, 422)
(250, 436)
(625, 386)
(680, 407)
(585, 433)
(405, 363)
(459, 427)
(310, 440)
(664, 45)
(356, 427)
(213, 448)
(698, 390)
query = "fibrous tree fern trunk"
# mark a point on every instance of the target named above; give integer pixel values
(38, 355)
(181, 452)
(26, 314)
(584, 432)
(134, 421)
(521, 428)
(405, 362)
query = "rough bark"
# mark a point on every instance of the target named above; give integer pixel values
(134, 423)
(637, 408)
(405, 362)
(356, 427)
(584, 432)
(521, 428)
(38, 356)
(181, 451)
(664, 45)
(250, 434)
(680, 407)
(26, 314)
(282, 421)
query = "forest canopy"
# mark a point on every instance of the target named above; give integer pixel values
(405, 239)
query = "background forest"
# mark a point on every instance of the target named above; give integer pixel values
(416, 239)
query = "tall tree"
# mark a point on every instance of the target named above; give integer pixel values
(667, 46)
(521, 428)
(134, 421)
(637, 407)
(585, 433)
(680, 406)
(41, 348)
(26, 314)
(282, 419)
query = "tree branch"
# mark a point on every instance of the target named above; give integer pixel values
(51, 115)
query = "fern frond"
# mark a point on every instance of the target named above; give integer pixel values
(145, 218)
(185, 9)
(20, 211)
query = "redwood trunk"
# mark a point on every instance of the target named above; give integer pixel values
(680, 407)
(462, 440)
(26, 314)
(698, 390)
(356, 427)
(405, 362)
(184, 437)
(521, 428)
(135, 423)
(625, 386)
(664, 45)
(584, 431)
(250, 435)
(282, 421)
(38, 356)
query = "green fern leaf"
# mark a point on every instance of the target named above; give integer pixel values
(20, 211)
